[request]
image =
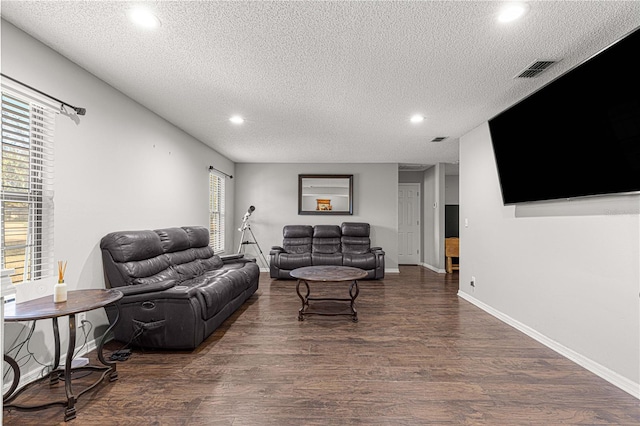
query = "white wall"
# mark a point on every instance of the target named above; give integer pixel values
(120, 167)
(411, 177)
(273, 190)
(452, 189)
(433, 202)
(569, 279)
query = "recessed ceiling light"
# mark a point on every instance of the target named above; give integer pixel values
(236, 119)
(143, 18)
(417, 118)
(512, 11)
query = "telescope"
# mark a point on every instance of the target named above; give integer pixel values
(245, 218)
(248, 213)
(243, 229)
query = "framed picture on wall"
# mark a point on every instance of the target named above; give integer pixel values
(325, 194)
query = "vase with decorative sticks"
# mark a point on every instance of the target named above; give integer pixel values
(60, 289)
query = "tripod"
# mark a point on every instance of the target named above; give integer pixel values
(246, 226)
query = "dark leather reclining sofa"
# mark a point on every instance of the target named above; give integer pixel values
(346, 245)
(176, 291)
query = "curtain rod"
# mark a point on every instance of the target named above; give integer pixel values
(79, 111)
(220, 171)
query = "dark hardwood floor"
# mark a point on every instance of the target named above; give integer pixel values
(418, 356)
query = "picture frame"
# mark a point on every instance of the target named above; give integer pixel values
(325, 194)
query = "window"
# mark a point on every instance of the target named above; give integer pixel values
(26, 192)
(216, 211)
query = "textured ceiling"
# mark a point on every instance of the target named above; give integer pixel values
(325, 81)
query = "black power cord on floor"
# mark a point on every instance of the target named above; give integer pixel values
(120, 355)
(124, 353)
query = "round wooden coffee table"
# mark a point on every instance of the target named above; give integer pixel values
(328, 273)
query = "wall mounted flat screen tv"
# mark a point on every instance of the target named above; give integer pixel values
(577, 136)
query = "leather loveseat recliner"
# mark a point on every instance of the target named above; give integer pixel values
(176, 291)
(345, 245)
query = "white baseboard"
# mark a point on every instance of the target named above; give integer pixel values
(433, 268)
(610, 376)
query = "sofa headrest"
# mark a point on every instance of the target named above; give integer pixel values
(173, 239)
(297, 231)
(198, 236)
(355, 229)
(326, 231)
(127, 246)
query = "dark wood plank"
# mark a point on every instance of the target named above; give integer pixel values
(418, 356)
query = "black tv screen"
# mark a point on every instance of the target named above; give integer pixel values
(577, 136)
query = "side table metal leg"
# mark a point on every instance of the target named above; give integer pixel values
(16, 378)
(55, 374)
(113, 375)
(70, 411)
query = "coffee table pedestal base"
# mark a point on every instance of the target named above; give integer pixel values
(305, 299)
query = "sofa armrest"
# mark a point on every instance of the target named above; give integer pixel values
(233, 256)
(379, 254)
(277, 249)
(146, 288)
(233, 260)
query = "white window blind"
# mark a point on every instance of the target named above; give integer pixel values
(26, 192)
(216, 211)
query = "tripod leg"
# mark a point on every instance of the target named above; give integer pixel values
(241, 240)
(266, 264)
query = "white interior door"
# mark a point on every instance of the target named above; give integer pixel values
(409, 223)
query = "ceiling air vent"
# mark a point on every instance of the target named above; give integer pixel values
(439, 138)
(412, 167)
(535, 69)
